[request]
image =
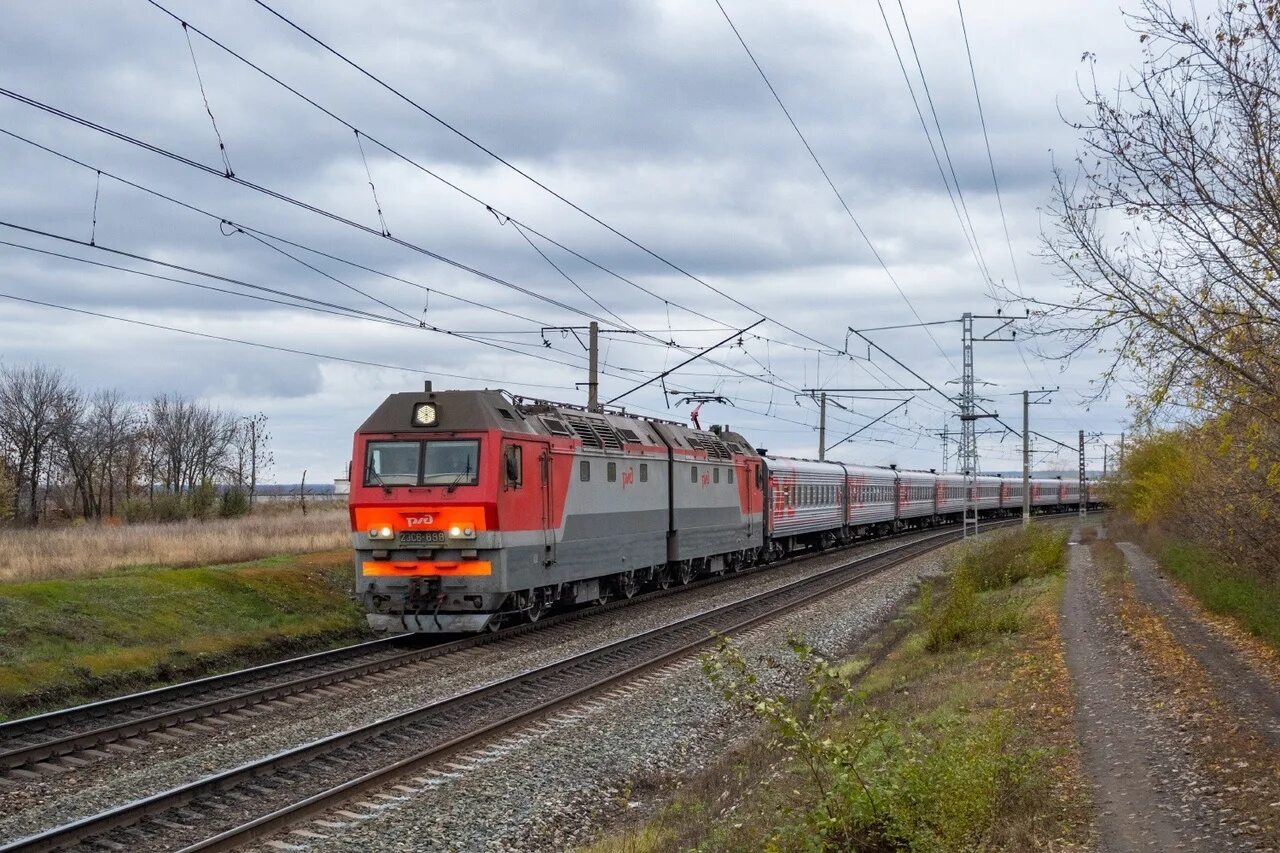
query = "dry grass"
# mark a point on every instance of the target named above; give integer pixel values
(89, 549)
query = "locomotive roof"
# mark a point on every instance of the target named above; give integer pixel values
(492, 409)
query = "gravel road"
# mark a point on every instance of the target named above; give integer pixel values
(1149, 791)
(1254, 697)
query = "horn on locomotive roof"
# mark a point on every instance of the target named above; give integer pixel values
(426, 386)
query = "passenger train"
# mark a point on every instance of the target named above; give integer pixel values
(475, 509)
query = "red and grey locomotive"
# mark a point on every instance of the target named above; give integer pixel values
(472, 509)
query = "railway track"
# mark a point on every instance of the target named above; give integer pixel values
(235, 806)
(86, 732)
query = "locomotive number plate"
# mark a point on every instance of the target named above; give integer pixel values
(422, 537)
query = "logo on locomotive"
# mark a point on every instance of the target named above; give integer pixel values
(422, 519)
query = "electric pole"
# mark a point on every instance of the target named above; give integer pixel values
(969, 414)
(1083, 492)
(822, 427)
(821, 395)
(1027, 403)
(593, 367)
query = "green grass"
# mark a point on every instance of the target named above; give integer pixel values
(996, 563)
(1224, 589)
(70, 638)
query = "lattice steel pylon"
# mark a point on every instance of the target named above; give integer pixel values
(969, 414)
(968, 430)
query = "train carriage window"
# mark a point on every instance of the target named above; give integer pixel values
(611, 472)
(513, 460)
(584, 470)
(715, 475)
(644, 472)
(693, 473)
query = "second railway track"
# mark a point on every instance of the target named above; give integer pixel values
(235, 806)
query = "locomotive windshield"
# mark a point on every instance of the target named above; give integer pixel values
(404, 463)
(392, 463)
(455, 463)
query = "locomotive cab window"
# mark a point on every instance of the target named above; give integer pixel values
(392, 463)
(693, 473)
(453, 463)
(513, 463)
(611, 472)
(644, 472)
(584, 471)
(715, 475)
(730, 475)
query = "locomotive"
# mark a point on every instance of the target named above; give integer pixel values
(475, 509)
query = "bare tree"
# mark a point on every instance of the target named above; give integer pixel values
(30, 398)
(1169, 233)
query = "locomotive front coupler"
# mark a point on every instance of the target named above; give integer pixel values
(423, 595)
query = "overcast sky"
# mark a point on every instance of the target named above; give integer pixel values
(648, 115)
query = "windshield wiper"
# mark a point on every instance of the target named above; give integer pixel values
(457, 481)
(378, 477)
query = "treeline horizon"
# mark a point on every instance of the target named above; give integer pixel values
(68, 452)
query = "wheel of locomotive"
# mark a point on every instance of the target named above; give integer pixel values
(606, 592)
(685, 573)
(663, 577)
(628, 584)
(537, 606)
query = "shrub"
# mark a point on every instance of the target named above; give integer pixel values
(879, 782)
(1002, 561)
(7, 490)
(168, 507)
(136, 510)
(203, 500)
(964, 616)
(234, 504)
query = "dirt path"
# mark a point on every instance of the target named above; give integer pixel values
(1252, 696)
(1148, 790)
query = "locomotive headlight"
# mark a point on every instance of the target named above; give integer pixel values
(384, 532)
(460, 532)
(424, 414)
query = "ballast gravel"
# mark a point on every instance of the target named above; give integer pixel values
(644, 737)
(549, 786)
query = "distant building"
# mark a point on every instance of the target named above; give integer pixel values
(341, 487)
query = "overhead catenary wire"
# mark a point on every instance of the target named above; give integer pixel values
(928, 136)
(503, 216)
(986, 138)
(269, 192)
(335, 308)
(826, 176)
(275, 347)
(522, 173)
(942, 138)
